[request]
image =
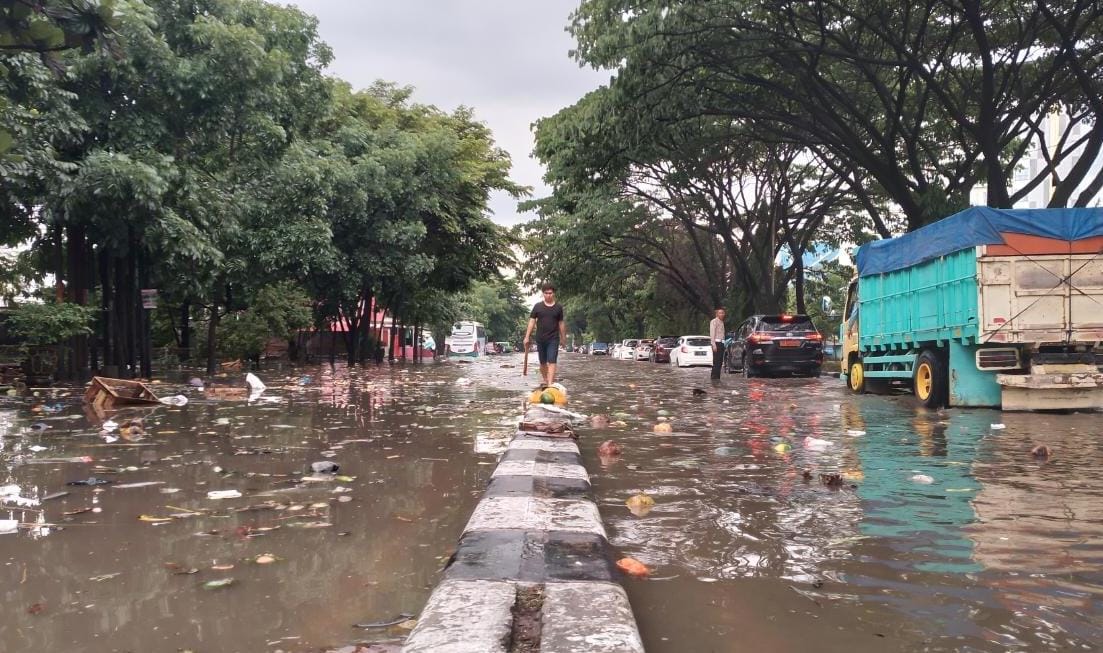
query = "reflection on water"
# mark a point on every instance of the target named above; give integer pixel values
(363, 546)
(942, 534)
(945, 534)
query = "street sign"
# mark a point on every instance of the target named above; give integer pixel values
(149, 298)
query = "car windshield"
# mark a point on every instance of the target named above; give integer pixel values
(667, 342)
(630, 343)
(793, 325)
(600, 345)
(697, 342)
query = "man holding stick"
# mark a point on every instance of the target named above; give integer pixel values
(547, 319)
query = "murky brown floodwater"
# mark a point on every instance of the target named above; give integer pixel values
(948, 535)
(995, 551)
(419, 450)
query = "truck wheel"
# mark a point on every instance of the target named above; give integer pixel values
(929, 381)
(856, 378)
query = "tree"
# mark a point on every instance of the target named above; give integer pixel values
(702, 202)
(926, 99)
(276, 311)
(412, 210)
(498, 305)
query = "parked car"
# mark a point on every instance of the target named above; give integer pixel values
(504, 347)
(599, 349)
(660, 351)
(627, 351)
(692, 350)
(643, 350)
(614, 351)
(769, 344)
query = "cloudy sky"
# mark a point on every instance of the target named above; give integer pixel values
(508, 59)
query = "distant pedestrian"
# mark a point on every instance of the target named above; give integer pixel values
(716, 335)
(547, 319)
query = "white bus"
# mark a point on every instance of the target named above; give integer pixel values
(468, 340)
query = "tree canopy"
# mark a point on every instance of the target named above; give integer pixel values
(733, 137)
(199, 148)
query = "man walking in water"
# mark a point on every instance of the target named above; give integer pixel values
(716, 335)
(547, 319)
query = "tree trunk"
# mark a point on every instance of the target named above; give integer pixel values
(78, 294)
(107, 327)
(133, 308)
(798, 283)
(146, 339)
(212, 339)
(394, 336)
(119, 301)
(365, 324)
(352, 333)
(333, 344)
(185, 330)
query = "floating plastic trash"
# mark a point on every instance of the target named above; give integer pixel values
(223, 494)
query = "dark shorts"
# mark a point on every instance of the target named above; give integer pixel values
(548, 351)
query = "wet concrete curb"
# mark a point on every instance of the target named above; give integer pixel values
(533, 570)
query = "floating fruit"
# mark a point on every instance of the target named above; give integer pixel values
(609, 448)
(633, 567)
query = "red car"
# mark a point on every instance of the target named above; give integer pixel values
(660, 350)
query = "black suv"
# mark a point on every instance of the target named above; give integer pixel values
(765, 344)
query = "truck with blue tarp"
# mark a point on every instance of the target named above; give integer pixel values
(988, 307)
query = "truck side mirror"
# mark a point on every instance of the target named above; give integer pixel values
(825, 304)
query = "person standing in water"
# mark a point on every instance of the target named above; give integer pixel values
(716, 335)
(547, 319)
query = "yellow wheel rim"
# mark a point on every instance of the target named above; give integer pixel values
(924, 381)
(856, 376)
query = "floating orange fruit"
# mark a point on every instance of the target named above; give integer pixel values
(633, 567)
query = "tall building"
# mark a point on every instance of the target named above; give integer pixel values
(1034, 162)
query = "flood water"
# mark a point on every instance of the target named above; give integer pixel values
(946, 533)
(365, 545)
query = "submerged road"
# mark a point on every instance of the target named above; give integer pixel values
(788, 514)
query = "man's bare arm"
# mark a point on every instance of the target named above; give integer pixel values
(528, 331)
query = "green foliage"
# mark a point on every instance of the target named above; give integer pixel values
(277, 311)
(498, 305)
(828, 280)
(916, 103)
(50, 323)
(45, 26)
(203, 152)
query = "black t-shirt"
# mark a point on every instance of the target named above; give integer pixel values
(547, 320)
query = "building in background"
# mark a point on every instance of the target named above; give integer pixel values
(1034, 162)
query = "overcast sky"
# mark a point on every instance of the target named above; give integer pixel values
(507, 59)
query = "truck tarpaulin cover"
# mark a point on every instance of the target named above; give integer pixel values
(975, 226)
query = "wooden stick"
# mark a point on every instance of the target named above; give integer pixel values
(525, 366)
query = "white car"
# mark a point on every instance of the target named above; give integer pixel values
(643, 350)
(614, 351)
(692, 350)
(627, 351)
